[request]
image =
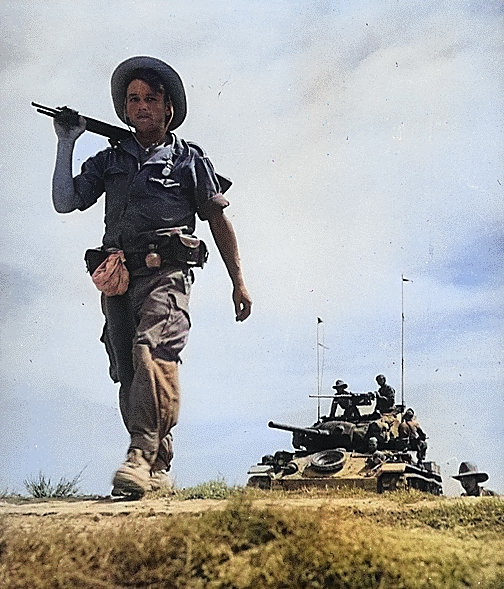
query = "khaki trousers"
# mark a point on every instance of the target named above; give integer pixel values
(145, 331)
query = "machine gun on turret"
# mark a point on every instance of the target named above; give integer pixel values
(349, 402)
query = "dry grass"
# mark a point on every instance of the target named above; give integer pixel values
(41, 487)
(418, 545)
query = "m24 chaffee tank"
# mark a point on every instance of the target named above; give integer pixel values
(369, 451)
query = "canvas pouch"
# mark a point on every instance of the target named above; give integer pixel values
(111, 276)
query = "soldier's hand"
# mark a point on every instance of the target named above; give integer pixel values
(242, 303)
(69, 125)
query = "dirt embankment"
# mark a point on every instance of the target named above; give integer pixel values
(253, 540)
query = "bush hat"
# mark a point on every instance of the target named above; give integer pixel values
(340, 384)
(468, 469)
(122, 76)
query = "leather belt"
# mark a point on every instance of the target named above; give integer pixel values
(137, 260)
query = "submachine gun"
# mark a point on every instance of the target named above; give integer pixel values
(70, 118)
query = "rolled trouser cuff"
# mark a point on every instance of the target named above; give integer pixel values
(149, 450)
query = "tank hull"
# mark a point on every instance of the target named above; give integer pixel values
(331, 469)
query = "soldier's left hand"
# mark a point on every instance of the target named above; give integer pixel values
(242, 303)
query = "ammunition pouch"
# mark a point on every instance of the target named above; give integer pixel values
(188, 249)
(175, 249)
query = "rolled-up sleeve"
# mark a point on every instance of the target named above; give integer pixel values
(89, 184)
(207, 190)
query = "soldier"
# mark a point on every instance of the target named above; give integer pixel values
(411, 432)
(385, 396)
(372, 445)
(376, 457)
(469, 478)
(155, 186)
(350, 411)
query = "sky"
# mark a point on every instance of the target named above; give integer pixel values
(365, 142)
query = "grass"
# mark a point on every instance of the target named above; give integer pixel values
(218, 489)
(430, 544)
(4, 494)
(41, 487)
(215, 489)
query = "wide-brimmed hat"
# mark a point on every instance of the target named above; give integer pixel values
(122, 76)
(340, 384)
(468, 469)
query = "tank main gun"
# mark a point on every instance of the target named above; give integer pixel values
(309, 431)
(320, 436)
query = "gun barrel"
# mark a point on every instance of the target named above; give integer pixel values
(342, 396)
(45, 110)
(311, 431)
(92, 125)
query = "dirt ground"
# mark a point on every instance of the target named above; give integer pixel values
(107, 506)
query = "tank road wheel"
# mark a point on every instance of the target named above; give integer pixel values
(259, 482)
(328, 460)
(391, 482)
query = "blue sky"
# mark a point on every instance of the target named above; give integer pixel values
(365, 141)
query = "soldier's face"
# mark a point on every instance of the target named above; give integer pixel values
(470, 484)
(146, 109)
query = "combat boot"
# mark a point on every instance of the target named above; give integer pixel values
(161, 480)
(133, 476)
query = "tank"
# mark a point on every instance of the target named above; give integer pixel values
(368, 451)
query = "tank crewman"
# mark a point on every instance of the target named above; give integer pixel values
(372, 445)
(385, 412)
(339, 387)
(350, 411)
(376, 458)
(469, 478)
(410, 431)
(385, 396)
